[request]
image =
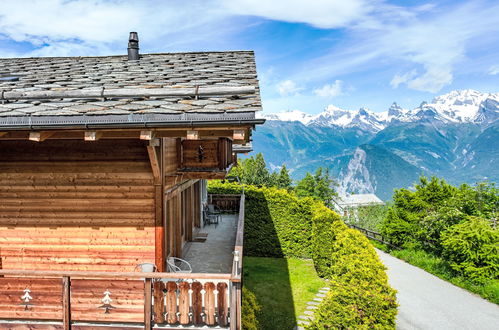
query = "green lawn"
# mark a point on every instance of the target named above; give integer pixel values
(282, 287)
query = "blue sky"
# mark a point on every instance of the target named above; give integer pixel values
(309, 53)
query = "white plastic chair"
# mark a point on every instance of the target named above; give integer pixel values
(177, 265)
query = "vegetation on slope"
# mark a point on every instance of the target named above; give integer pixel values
(448, 231)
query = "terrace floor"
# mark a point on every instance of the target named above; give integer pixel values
(215, 254)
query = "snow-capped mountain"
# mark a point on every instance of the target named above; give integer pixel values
(293, 115)
(466, 106)
(453, 136)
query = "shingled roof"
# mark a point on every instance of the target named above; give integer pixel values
(158, 89)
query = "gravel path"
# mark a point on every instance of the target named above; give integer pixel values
(427, 302)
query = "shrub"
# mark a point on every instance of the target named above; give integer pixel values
(249, 311)
(277, 223)
(433, 225)
(325, 225)
(368, 217)
(472, 248)
(359, 296)
(396, 227)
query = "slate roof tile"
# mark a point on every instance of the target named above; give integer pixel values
(168, 70)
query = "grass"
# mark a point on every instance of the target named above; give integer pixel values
(440, 268)
(282, 287)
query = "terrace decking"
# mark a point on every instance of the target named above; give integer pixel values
(215, 255)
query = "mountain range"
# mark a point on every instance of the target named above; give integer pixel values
(455, 136)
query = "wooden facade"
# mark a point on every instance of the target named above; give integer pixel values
(103, 206)
(103, 163)
(107, 205)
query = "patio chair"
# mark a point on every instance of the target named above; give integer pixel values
(211, 217)
(177, 265)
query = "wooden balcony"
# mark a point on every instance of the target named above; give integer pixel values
(90, 300)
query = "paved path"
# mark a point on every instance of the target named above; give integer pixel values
(427, 302)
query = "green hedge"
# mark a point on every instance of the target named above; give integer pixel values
(360, 296)
(277, 223)
(249, 311)
(325, 226)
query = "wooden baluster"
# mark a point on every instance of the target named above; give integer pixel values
(209, 303)
(171, 302)
(223, 306)
(183, 305)
(197, 303)
(159, 302)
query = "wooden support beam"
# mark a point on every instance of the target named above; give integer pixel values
(203, 132)
(192, 135)
(92, 136)
(147, 135)
(154, 142)
(40, 136)
(155, 164)
(66, 303)
(239, 134)
(147, 303)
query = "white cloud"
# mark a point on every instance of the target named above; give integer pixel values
(81, 27)
(433, 80)
(288, 87)
(319, 13)
(402, 78)
(494, 69)
(431, 43)
(330, 90)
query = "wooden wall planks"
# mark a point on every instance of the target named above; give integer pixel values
(75, 205)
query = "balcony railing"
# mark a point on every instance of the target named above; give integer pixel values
(129, 300)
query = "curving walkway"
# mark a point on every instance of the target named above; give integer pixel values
(427, 302)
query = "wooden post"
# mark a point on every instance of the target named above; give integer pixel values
(66, 302)
(159, 230)
(190, 213)
(233, 306)
(239, 302)
(147, 303)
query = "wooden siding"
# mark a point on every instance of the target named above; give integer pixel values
(75, 205)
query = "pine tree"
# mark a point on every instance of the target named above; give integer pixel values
(319, 186)
(306, 186)
(284, 180)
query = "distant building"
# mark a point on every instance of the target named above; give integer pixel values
(343, 203)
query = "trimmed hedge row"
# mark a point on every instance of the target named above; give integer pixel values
(326, 224)
(360, 296)
(279, 224)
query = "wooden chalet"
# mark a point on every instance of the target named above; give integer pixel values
(103, 168)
